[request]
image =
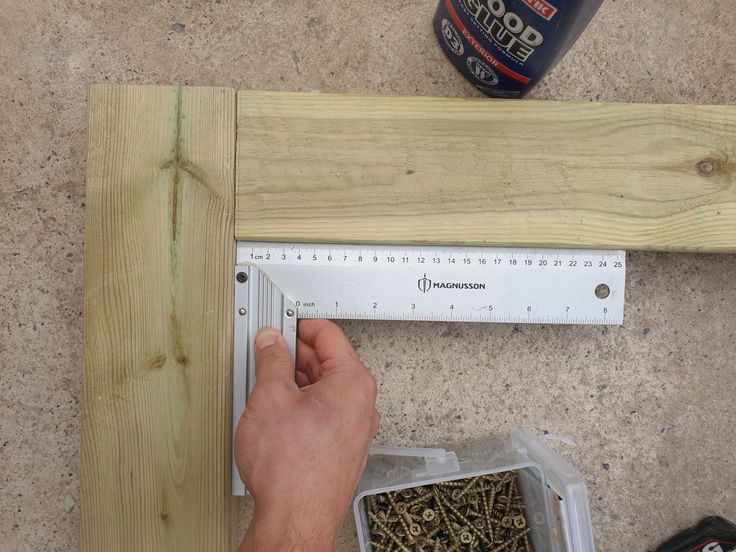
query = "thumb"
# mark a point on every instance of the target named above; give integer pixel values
(273, 360)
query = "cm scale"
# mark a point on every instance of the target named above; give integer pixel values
(278, 283)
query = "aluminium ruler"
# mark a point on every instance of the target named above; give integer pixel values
(278, 283)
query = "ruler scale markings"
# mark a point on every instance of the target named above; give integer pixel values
(550, 288)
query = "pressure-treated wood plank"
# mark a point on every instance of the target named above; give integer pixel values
(459, 171)
(157, 320)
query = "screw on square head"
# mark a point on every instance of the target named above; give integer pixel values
(602, 291)
(242, 277)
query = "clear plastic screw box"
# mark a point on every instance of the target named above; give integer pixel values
(553, 490)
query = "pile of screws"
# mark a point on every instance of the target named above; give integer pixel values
(483, 513)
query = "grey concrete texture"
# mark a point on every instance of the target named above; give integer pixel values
(650, 405)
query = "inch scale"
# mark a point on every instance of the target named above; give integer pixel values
(278, 283)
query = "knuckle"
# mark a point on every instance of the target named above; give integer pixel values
(370, 386)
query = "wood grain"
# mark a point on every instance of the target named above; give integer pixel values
(336, 168)
(157, 320)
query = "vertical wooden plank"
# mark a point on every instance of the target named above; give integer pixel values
(158, 326)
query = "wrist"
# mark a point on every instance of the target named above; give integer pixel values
(278, 529)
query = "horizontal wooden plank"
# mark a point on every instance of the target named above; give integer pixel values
(157, 320)
(320, 167)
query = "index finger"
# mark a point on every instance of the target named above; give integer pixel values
(328, 341)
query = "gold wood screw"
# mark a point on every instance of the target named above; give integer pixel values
(443, 514)
(467, 523)
(471, 514)
(488, 505)
(419, 500)
(514, 539)
(450, 484)
(389, 533)
(399, 508)
(469, 485)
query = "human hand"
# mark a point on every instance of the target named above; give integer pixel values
(302, 442)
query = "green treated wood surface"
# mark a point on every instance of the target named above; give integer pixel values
(341, 168)
(156, 425)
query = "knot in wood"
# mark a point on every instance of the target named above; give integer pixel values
(706, 167)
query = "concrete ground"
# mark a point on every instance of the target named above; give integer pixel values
(650, 405)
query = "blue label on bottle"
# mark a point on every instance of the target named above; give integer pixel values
(503, 46)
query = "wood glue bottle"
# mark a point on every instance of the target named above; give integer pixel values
(505, 47)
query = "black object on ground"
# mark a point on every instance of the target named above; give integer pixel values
(713, 534)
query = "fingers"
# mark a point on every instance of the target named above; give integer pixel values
(329, 344)
(324, 351)
(307, 361)
(358, 388)
(302, 379)
(273, 360)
